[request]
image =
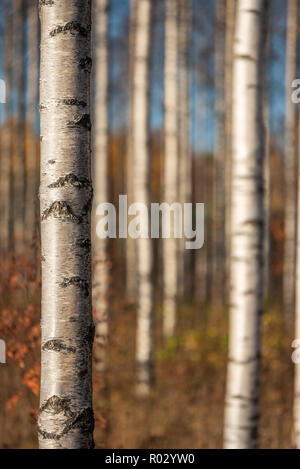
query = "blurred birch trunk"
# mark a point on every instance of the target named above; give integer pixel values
(247, 219)
(170, 261)
(6, 175)
(296, 435)
(100, 178)
(130, 244)
(219, 207)
(141, 188)
(185, 155)
(20, 167)
(290, 166)
(267, 169)
(229, 40)
(31, 140)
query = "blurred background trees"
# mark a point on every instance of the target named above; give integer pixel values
(167, 105)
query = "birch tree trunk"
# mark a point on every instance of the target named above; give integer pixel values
(32, 185)
(297, 317)
(185, 156)
(290, 166)
(229, 40)
(267, 169)
(100, 177)
(20, 166)
(141, 162)
(170, 264)
(65, 414)
(241, 408)
(202, 258)
(130, 244)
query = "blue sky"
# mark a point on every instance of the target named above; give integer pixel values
(201, 93)
(200, 86)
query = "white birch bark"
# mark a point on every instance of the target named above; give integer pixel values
(296, 435)
(241, 407)
(141, 175)
(290, 166)
(100, 177)
(65, 414)
(170, 264)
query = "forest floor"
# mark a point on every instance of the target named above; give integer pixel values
(185, 407)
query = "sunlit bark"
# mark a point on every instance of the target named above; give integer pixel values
(65, 413)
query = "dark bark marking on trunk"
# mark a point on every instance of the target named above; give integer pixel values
(56, 405)
(83, 419)
(60, 209)
(57, 345)
(84, 243)
(77, 282)
(71, 27)
(73, 102)
(80, 120)
(71, 180)
(86, 64)
(48, 3)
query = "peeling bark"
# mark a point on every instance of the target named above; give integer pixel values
(65, 414)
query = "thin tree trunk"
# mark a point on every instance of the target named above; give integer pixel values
(290, 166)
(141, 174)
(241, 408)
(202, 255)
(219, 206)
(130, 245)
(100, 177)
(267, 170)
(170, 264)
(32, 186)
(6, 155)
(65, 414)
(296, 435)
(229, 40)
(20, 182)
(185, 156)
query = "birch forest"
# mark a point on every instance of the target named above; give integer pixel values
(149, 224)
